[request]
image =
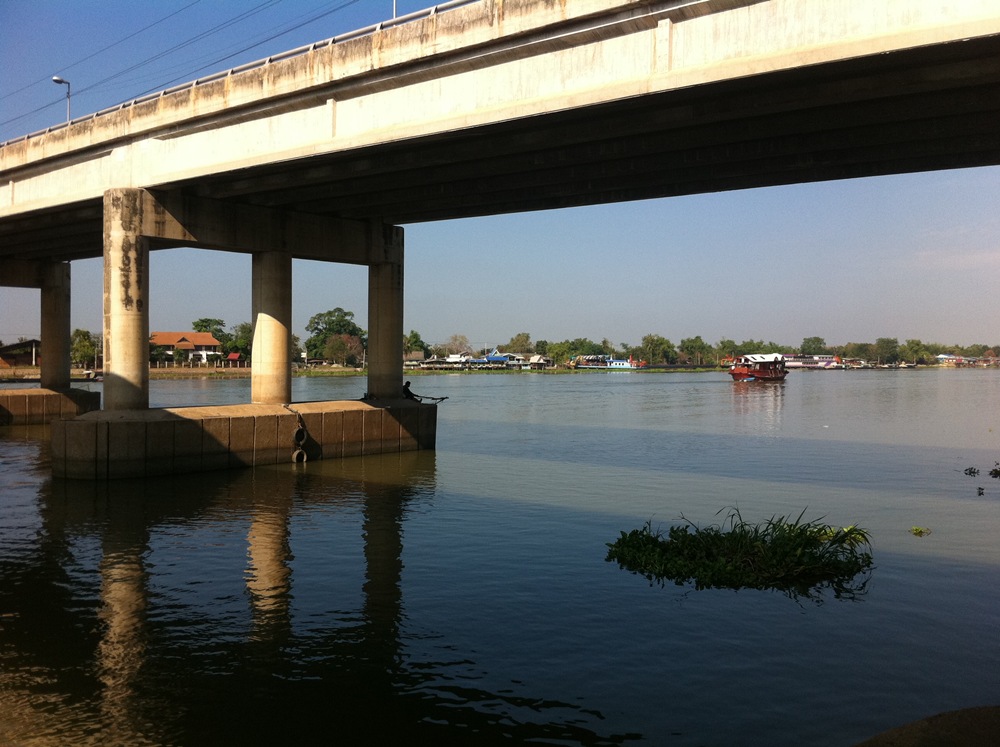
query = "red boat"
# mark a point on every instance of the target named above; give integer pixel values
(759, 367)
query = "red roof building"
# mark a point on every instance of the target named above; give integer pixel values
(200, 345)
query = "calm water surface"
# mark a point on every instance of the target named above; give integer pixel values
(462, 596)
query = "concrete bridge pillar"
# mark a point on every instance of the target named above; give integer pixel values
(271, 375)
(55, 373)
(126, 302)
(385, 318)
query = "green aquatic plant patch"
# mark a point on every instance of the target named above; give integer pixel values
(793, 556)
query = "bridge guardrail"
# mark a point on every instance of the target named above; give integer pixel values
(263, 62)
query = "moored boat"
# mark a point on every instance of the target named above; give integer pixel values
(759, 367)
(606, 363)
(818, 362)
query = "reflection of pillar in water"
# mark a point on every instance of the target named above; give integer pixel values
(383, 534)
(268, 576)
(122, 648)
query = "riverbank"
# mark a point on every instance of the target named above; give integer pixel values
(28, 375)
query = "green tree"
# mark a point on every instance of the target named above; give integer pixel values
(975, 351)
(157, 354)
(214, 327)
(813, 346)
(725, 347)
(696, 350)
(759, 346)
(241, 340)
(542, 348)
(914, 351)
(657, 349)
(559, 352)
(413, 342)
(887, 350)
(519, 343)
(324, 326)
(83, 348)
(864, 351)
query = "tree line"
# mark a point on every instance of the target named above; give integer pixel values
(658, 350)
(334, 336)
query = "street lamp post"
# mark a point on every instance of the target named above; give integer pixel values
(56, 79)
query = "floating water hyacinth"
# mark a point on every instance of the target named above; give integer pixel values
(796, 557)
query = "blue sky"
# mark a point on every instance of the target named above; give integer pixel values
(913, 256)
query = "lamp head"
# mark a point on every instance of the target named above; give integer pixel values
(57, 79)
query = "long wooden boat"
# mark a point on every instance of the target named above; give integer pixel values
(759, 367)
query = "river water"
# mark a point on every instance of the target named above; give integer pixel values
(462, 596)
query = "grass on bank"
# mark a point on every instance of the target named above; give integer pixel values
(794, 556)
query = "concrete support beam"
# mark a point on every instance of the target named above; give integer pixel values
(126, 302)
(55, 367)
(177, 219)
(385, 317)
(271, 376)
(22, 273)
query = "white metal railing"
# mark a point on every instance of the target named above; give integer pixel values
(339, 39)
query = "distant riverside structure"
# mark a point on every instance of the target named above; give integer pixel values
(467, 109)
(200, 346)
(496, 360)
(21, 353)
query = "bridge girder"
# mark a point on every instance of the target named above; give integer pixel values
(918, 109)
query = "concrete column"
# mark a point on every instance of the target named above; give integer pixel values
(385, 319)
(55, 326)
(126, 302)
(271, 375)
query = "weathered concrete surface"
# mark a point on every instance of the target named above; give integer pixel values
(141, 443)
(37, 406)
(500, 107)
(970, 727)
(126, 302)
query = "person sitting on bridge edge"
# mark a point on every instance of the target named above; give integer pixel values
(410, 395)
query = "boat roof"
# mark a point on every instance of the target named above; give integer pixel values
(763, 357)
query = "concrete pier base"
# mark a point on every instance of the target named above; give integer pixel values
(37, 406)
(109, 444)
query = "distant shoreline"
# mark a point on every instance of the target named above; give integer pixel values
(28, 375)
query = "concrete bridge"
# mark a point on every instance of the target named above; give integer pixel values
(476, 108)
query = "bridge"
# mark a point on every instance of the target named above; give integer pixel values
(477, 108)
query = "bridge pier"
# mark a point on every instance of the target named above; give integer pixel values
(55, 399)
(270, 356)
(128, 439)
(126, 302)
(55, 365)
(385, 319)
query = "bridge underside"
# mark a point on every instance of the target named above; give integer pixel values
(915, 110)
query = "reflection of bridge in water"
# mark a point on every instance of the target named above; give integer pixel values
(187, 640)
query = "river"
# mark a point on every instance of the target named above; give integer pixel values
(462, 596)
